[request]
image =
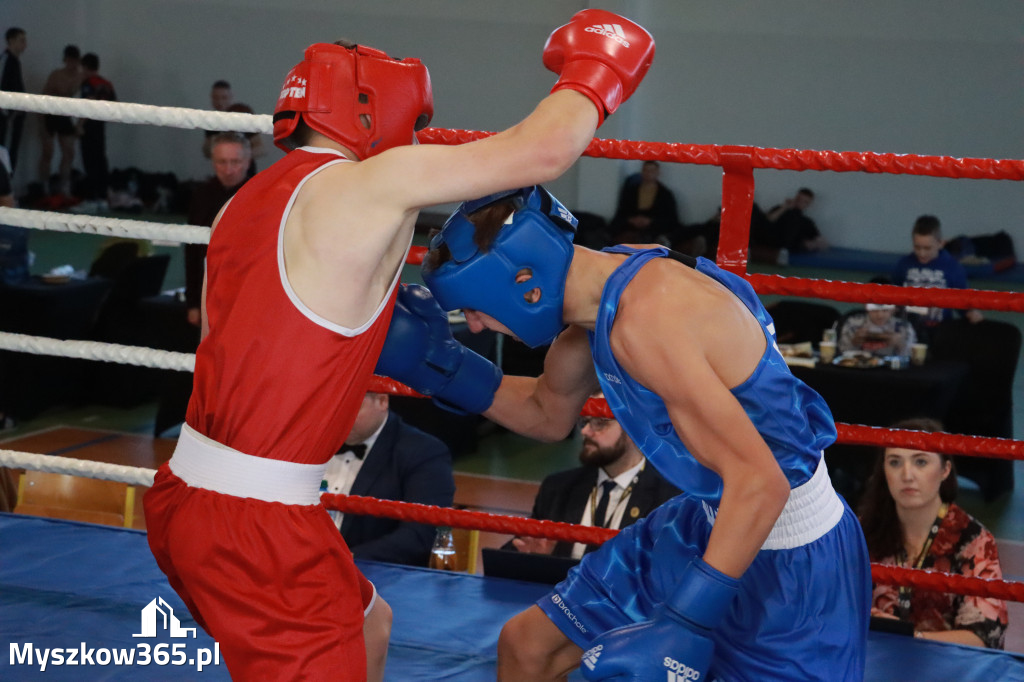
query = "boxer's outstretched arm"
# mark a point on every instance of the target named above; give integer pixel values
(535, 151)
(546, 407)
(596, 73)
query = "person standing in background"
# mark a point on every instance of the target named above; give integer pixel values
(93, 139)
(63, 82)
(11, 81)
(221, 99)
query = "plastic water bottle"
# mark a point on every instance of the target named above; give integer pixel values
(442, 555)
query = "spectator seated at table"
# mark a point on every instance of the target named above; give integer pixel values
(931, 266)
(910, 519)
(647, 211)
(879, 330)
(613, 488)
(784, 229)
(388, 459)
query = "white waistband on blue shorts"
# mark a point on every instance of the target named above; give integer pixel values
(204, 463)
(813, 509)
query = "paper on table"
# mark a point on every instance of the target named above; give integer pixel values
(61, 271)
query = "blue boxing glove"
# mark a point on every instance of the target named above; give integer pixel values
(676, 643)
(420, 352)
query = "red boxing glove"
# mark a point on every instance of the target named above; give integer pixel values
(602, 55)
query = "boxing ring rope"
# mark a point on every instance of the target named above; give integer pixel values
(108, 227)
(737, 162)
(472, 520)
(86, 468)
(852, 434)
(708, 155)
(98, 350)
(127, 112)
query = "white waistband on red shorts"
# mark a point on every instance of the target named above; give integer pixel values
(204, 463)
(813, 509)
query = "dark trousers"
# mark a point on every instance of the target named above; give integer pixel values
(11, 121)
(94, 160)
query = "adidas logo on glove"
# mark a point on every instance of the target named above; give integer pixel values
(590, 657)
(680, 672)
(613, 31)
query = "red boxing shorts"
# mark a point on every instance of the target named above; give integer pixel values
(274, 584)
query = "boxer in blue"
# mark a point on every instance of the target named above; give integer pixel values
(759, 571)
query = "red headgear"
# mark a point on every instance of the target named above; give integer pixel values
(333, 85)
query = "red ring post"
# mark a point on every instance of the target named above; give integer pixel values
(737, 206)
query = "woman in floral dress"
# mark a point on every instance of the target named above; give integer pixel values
(910, 519)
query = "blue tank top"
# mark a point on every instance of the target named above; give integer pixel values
(792, 419)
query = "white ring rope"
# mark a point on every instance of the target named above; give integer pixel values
(62, 222)
(77, 467)
(126, 112)
(118, 227)
(96, 350)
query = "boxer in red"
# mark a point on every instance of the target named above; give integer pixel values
(301, 281)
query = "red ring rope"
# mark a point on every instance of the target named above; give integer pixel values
(567, 532)
(778, 159)
(462, 518)
(948, 582)
(948, 443)
(887, 293)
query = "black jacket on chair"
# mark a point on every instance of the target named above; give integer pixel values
(564, 495)
(408, 465)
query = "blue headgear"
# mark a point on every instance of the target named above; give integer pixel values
(538, 236)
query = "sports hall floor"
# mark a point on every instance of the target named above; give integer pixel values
(505, 455)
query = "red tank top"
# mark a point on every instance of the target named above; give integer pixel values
(272, 379)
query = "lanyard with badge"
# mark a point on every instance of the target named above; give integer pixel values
(905, 593)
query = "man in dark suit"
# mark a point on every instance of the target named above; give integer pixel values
(612, 462)
(388, 459)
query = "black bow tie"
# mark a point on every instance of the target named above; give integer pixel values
(358, 450)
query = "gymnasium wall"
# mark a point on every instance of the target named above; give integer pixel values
(916, 76)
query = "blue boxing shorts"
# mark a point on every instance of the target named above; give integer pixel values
(804, 603)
